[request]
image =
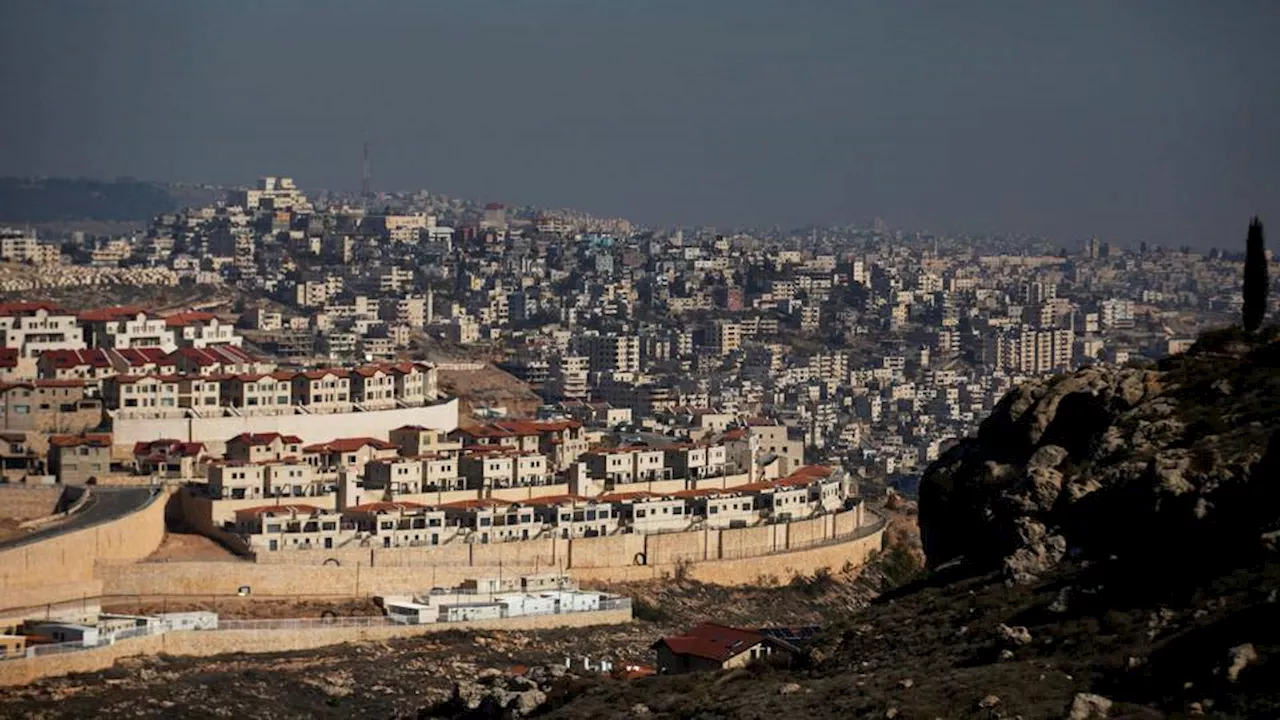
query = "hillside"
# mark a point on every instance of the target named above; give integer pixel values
(66, 199)
(1105, 547)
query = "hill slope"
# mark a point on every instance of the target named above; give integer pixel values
(1105, 547)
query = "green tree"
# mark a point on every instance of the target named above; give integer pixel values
(1255, 278)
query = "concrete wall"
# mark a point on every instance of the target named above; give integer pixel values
(607, 559)
(62, 567)
(311, 428)
(19, 502)
(203, 643)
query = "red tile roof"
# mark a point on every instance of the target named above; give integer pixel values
(474, 504)
(381, 507)
(292, 508)
(713, 642)
(112, 313)
(555, 500)
(10, 309)
(625, 496)
(345, 445)
(8, 357)
(260, 439)
(89, 439)
(184, 319)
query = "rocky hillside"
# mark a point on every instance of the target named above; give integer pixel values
(1104, 547)
(1172, 463)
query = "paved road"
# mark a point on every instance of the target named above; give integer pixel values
(104, 503)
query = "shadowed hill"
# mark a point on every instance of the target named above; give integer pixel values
(1105, 546)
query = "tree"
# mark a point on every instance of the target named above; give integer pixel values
(1255, 278)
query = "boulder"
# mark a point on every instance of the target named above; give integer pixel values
(1088, 706)
(1238, 658)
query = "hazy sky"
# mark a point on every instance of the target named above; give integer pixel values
(1130, 119)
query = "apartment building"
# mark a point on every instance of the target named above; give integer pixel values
(61, 406)
(32, 328)
(397, 476)
(574, 516)
(263, 447)
(155, 395)
(416, 440)
(291, 526)
(645, 512)
(202, 330)
(258, 393)
(127, 327)
(373, 388)
(623, 465)
(612, 353)
(323, 391)
(97, 364)
(350, 454)
(219, 359)
(79, 459)
(401, 524)
(171, 459)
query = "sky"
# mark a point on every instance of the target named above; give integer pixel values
(1155, 120)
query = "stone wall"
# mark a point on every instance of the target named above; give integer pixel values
(202, 643)
(610, 559)
(19, 502)
(215, 431)
(61, 568)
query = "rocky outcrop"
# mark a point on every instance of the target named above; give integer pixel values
(1109, 460)
(495, 694)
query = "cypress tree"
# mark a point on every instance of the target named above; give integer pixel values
(1255, 278)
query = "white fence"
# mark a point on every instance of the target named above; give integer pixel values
(320, 623)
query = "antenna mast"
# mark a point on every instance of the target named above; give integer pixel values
(364, 180)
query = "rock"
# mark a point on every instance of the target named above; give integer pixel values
(1016, 635)
(1048, 457)
(640, 710)
(789, 689)
(1086, 706)
(1006, 654)
(989, 701)
(526, 702)
(1195, 708)
(1238, 658)
(891, 713)
(1041, 551)
(1059, 604)
(906, 683)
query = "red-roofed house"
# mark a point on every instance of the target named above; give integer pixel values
(49, 406)
(32, 328)
(323, 391)
(574, 516)
(709, 647)
(170, 458)
(127, 327)
(201, 330)
(492, 520)
(225, 359)
(293, 526)
(10, 365)
(263, 447)
(401, 524)
(350, 454)
(79, 459)
(146, 394)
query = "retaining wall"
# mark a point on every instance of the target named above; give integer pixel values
(210, 579)
(61, 567)
(203, 643)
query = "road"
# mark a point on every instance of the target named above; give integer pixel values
(104, 503)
